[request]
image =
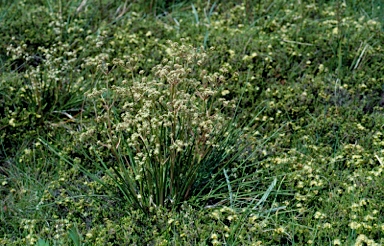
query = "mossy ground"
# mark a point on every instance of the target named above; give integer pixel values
(309, 73)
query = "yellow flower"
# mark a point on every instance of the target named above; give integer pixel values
(336, 242)
(12, 122)
(225, 92)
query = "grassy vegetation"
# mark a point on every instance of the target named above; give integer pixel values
(191, 122)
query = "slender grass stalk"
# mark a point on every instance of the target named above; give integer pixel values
(229, 187)
(75, 236)
(195, 14)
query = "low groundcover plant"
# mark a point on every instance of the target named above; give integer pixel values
(146, 146)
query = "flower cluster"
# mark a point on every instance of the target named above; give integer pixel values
(173, 112)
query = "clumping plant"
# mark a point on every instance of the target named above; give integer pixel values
(162, 129)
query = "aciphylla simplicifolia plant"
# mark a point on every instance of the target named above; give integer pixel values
(164, 129)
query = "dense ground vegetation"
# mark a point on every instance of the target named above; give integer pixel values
(191, 122)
